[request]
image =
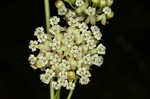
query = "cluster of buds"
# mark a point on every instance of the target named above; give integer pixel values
(67, 53)
(90, 11)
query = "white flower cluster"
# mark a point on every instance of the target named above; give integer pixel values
(67, 53)
(84, 75)
(39, 33)
(91, 11)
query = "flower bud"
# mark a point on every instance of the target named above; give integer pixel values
(59, 3)
(95, 1)
(71, 75)
(102, 3)
(109, 2)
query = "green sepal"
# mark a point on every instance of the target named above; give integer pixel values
(109, 2)
(99, 17)
(111, 15)
(87, 21)
(92, 20)
(104, 19)
(59, 3)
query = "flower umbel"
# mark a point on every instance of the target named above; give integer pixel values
(67, 55)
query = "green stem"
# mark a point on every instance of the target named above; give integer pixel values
(71, 5)
(57, 96)
(71, 91)
(47, 14)
(47, 17)
(70, 94)
(51, 91)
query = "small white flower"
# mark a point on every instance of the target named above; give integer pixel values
(97, 60)
(50, 72)
(42, 61)
(55, 44)
(69, 37)
(91, 44)
(90, 11)
(45, 78)
(33, 45)
(101, 49)
(55, 29)
(83, 27)
(75, 51)
(79, 3)
(64, 65)
(97, 35)
(70, 14)
(107, 10)
(42, 38)
(63, 75)
(87, 35)
(62, 10)
(63, 82)
(83, 72)
(34, 67)
(54, 20)
(55, 59)
(84, 80)
(38, 31)
(70, 86)
(73, 22)
(95, 28)
(87, 59)
(32, 59)
(56, 85)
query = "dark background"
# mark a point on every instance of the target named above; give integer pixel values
(124, 74)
